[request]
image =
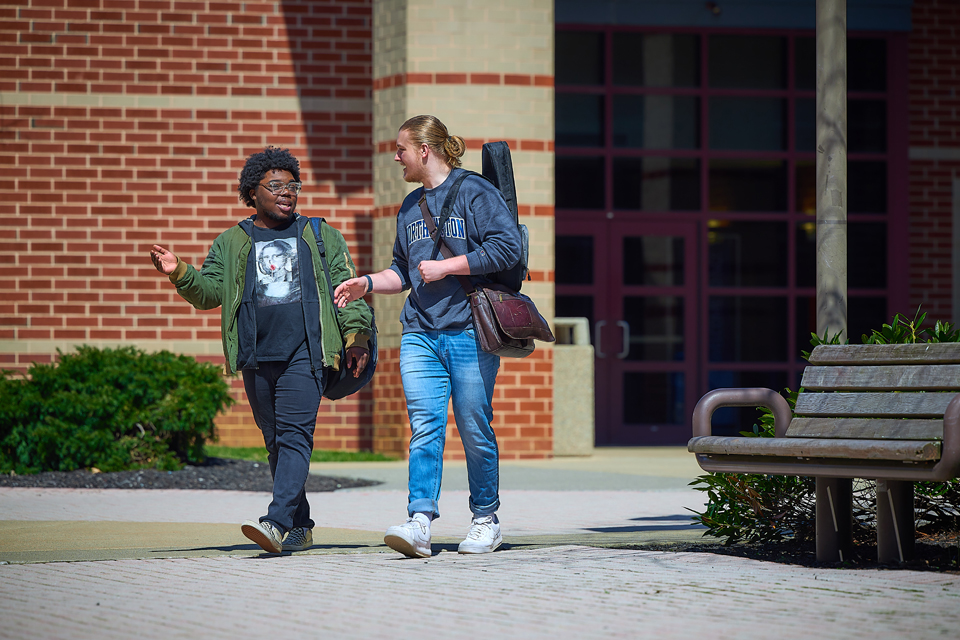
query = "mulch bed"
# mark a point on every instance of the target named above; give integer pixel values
(938, 551)
(215, 473)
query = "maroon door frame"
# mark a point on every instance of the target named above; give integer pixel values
(610, 332)
(573, 222)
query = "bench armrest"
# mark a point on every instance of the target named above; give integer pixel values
(750, 397)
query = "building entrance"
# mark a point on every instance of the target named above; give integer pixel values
(636, 282)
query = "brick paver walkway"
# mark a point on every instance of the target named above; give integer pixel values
(560, 592)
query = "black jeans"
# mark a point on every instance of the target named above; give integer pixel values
(285, 398)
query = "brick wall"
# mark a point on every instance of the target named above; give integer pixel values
(934, 141)
(487, 78)
(125, 123)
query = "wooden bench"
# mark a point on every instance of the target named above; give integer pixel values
(890, 413)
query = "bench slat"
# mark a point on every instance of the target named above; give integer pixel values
(888, 405)
(937, 377)
(927, 353)
(864, 428)
(896, 450)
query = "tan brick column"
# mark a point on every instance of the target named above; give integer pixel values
(486, 70)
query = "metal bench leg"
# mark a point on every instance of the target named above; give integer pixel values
(834, 519)
(895, 521)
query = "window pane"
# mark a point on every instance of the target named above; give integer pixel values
(806, 246)
(748, 329)
(656, 327)
(579, 120)
(867, 187)
(864, 315)
(755, 124)
(805, 124)
(806, 317)
(805, 172)
(579, 182)
(867, 126)
(650, 398)
(805, 64)
(653, 261)
(748, 185)
(748, 62)
(866, 255)
(579, 57)
(574, 260)
(656, 122)
(747, 254)
(866, 64)
(656, 60)
(730, 421)
(656, 184)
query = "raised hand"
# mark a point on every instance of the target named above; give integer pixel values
(163, 260)
(350, 290)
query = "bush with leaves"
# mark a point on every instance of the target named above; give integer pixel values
(112, 409)
(767, 508)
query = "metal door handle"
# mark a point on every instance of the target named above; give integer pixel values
(626, 339)
(596, 332)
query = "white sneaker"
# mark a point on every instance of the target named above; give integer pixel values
(412, 538)
(298, 539)
(264, 534)
(483, 537)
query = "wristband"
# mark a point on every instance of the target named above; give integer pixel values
(369, 283)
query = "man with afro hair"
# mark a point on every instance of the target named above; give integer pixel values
(279, 328)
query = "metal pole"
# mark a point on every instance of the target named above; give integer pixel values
(834, 519)
(832, 167)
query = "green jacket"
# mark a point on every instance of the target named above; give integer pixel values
(220, 281)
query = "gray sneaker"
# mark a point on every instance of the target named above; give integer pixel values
(298, 539)
(264, 534)
(412, 538)
(483, 537)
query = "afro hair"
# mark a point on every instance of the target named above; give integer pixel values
(259, 164)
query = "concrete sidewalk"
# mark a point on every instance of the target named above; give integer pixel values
(175, 565)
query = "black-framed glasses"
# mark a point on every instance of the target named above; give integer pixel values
(276, 187)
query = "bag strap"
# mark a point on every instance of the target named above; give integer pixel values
(322, 248)
(438, 239)
(448, 203)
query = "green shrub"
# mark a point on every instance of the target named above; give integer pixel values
(112, 409)
(764, 508)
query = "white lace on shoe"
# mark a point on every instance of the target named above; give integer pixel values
(483, 537)
(412, 538)
(299, 539)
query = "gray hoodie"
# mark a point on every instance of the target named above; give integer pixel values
(480, 227)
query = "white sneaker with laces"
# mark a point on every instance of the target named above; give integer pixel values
(299, 539)
(264, 534)
(483, 537)
(412, 538)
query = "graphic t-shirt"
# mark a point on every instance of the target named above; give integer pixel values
(276, 292)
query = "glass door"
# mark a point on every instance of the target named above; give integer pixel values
(636, 283)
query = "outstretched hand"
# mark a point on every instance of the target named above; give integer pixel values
(357, 359)
(163, 260)
(350, 290)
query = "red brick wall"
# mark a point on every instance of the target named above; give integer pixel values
(934, 126)
(126, 127)
(522, 409)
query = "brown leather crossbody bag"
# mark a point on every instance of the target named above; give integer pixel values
(507, 322)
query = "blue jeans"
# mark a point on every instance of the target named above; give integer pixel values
(435, 366)
(285, 398)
